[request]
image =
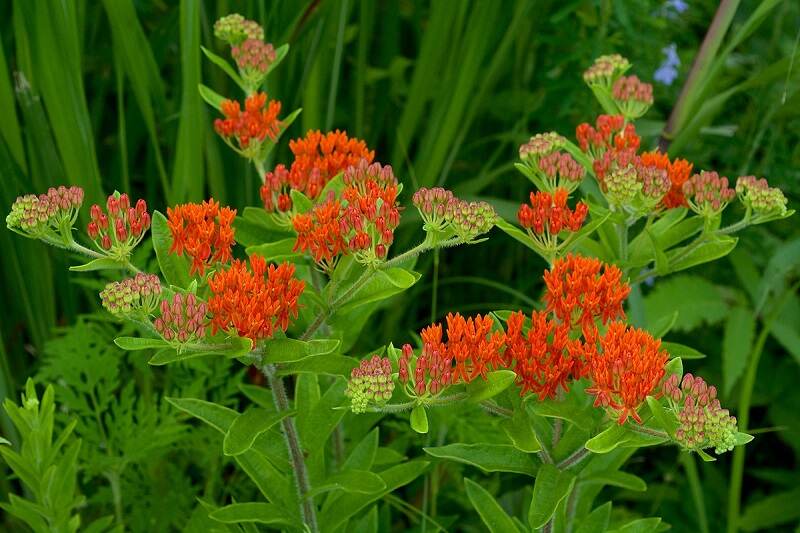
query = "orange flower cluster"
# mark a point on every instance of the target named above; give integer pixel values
(203, 231)
(318, 158)
(254, 302)
(627, 368)
(539, 359)
(550, 214)
(610, 132)
(363, 225)
(581, 290)
(258, 121)
(678, 172)
(471, 350)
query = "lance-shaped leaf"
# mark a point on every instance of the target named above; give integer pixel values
(487, 457)
(419, 419)
(355, 481)
(293, 350)
(246, 428)
(138, 343)
(101, 263)
(495, 383)
(552, 485)
(260, 513)
(495, 518)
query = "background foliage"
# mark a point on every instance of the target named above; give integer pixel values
(103, 95)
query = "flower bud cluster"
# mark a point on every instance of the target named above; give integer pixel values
(119, 228)
(182, 320)
(708, 193)
(622, 185)
(702, 422)
(432, 205)
(36, 214)
(234, 28)
(633, 97)
(138, 294)
(370, 382)
(253, 57)
(470, 219)
(541, 145)
(605, 70)
(756, 194)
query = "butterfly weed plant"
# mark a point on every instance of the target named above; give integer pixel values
(570, 387)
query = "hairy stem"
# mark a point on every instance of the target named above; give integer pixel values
(576, 457)
(308, 508)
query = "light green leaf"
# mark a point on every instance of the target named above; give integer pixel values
(742, 438)
(492, 514)
(174, 269)
(517, 234)
(247, 427)
(679, 350)
(709, 250)
(225, 66)
(138, 343)
(419, 419)
(300, 202)
(487, 457)
(101, 263)
(355, 481)
(740, 330)
(705, 457)
(596, 521)
(519, 429)
(332, 365)
(277, 251)
(551, 486)
(665, 420)
(383, 284)
(495, 383)
(210, 96)
(641, 525)
(293, 350)
(217, 416)
(615, 436)
(261, 513)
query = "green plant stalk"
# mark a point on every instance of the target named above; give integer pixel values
(690, 466)
(743, 412)
(308, 508)
(697, 75)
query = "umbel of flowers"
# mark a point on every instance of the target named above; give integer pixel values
(204, 232)
(136, 296)
(46, 216)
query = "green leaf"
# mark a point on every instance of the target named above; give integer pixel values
(665, 420)
(261, 513)
(517, 234)
(641, 525)
(596, 521)
(229, 347)
(277, 251)
(225, 66)
(210, 96)
(772, 511)
(674, 366)
(615, 436)
(575, 406)
(742, 438)
(519, 429)
(740, 329)
(138, 343)
(292, 350)
(679, 350)
(300, 202)
(217, 416)
(487, 457)
(354, 481)
(615, 478)
(706, 305)
(495, 383)
(705, 457)
(280, 53)
(332, 365)
(551, 486)
(492, 514)
(101, 263)
(693, 255)
(383, 284)
(174, 269)
(247, 427)
(419, 419)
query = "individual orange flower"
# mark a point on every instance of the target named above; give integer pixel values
(249, 128)
(581, 290)
(254, 302)
(678, 172)
(319, 233)
(539, 359)
(204, 232)
(627, 368)
(472, 346)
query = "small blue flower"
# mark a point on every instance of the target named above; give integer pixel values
(678, 5)
(668, 70)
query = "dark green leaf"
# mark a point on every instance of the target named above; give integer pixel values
(492, 514)
(487, 457)
(552, 485)
(740, 330)
(247, 427)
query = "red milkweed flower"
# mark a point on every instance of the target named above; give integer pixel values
(318, 158)
(539, 358)
(627, 367)
(548, 214)
(251, 126)
(678, 172)
(254, 302)
(610, 131)
(473, 347)
(120, 227)
(319, 233)
(204, 232)
(581, 290)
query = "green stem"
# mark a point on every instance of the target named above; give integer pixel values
(743, 412)
(576, 457)
(690, 466)
(308, 508)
